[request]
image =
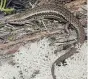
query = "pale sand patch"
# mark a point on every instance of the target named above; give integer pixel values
(37, 58)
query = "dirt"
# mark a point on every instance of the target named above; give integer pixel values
(33, 59)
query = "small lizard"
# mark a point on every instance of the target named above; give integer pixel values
(55, 11)
(47, 10)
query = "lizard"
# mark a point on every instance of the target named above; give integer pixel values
(50, 9)
(54, 10)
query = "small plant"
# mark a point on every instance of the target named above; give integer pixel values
(3, 7)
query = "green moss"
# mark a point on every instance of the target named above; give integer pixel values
(11, 37)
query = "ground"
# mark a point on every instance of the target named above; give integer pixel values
(34, 59)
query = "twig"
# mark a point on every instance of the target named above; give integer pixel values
(28, 38)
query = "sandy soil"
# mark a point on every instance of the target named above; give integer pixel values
(34, 61)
